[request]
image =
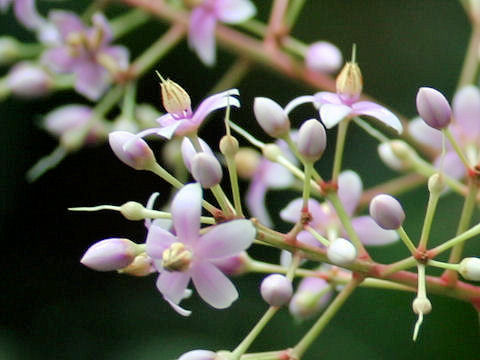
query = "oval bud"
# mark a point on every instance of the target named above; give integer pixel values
(206, 170)
(402, 151)
(389, 158)
(247, 161)
(276, 289)
(228, 145)
(175, 99)
(188, 151)
(341, 252)
(387, 212)
(421, 305)
(433, 108)
(133, 210)
(312, 140)
(131, 150)
(324, 57)
(436, 184)
(470, 268)
(271, 117)
(198, 355)
(110, 254)
(29, 81)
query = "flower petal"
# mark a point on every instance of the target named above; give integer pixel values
(186, 210)
(234, 11)
(332, 114)
(371, 234)
(66, 22)
(100, 23)
(325, 97)
(215, 102)
(91, 80)
(466, 110)
(178, 308)
(201, 34)
(213, 286)
(172, 284)
(299, 101)
(158, 240)
(425, 134)
(350, 189)
(120, 54)
(26, 13)
(226, 239)
(59, 59)
(255, 199)
(276, 176)
(452, 165)
(292, 211)
(378, 112)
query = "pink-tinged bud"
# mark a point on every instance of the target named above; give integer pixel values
(142, 265)
(188, 151)
(341, 252)
(312, 140)
(387, 212)
(433, 108)
(206, 170)
(66, 118)
(247, 161)
(271, 117)
(276, 290)
(131, 150)
(324, 57)
(198, 355)
(233, 265)
(470, 268)
(29, 81)
(311, 296)
(110, 254)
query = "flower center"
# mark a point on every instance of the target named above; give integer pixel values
(176, 257)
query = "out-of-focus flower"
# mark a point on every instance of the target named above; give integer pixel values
(203, 20)
(323, 56)
(131, 150)
(187, 255)
(25, 12)
(29, 80)
(311, 296)
(85, 52)
(325, 219)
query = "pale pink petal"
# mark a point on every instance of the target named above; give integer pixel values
(201, 34)
(255, 199)
(158, 240)
(452, 165)
(371, 234)
(166, 120)
(186, 210)
(466, 110)
(4, 4)
(120, 54)
(172, 284)
(213, 286)
(188, 151)
(149, 206)
(425, 134)
(234, 11)
(66, 22)
(100, 22)
(378, 112)
(299, 101)
(215, 102)
(350, 189)
(168, 131)
(91, 80)
(276, 176)
(178, 308)
(226, 239)
(308, 239)
(26, 13)
(325, 97)
(332, 114)
(59, 59)
(292, 212)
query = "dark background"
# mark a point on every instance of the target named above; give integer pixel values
(54, 308)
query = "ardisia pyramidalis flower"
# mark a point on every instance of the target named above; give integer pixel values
(276, 289)
(206, 170)
(433, 108)
(110, 254)
(188, 151)
(326, 221)
(86, 52)
(203, 20)
(324, 57)
(182, 120)
(465, 128)
(131, 150)
(189, 255)
(312, 140)
(271, 117)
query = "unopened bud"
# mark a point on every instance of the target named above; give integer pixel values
(470, 268)
(272, 152)
(341, 252)
(140, 266)
(421, 305)
(67, 118)
(188, 151)
(199, 355)
(311, 296)
(247, 161)
(228, 145)
(312, 140)
(29, 81)
(433, 108)
(387, 212)
(389, 158)
(271, 117)
(324, 57)
(436, 184)
(175, 99)
(110, 254)
(9, 50)
(402, 150)
(206, 170)
(350, 82)
(133, 211)
(176, 257)
(131, 150)
(276, 290)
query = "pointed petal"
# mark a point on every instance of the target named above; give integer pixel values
(466, 110)
(452, 165)
(235, 11)
(213, 286)
(226, 239)
(215, 102)
(276, 176)
(350, 189)
(332, 114)
(26, 13)
(425, 134)
(255, 199)
(158, 240)
(66, 22)
(91, 80)
(178, 308)
(371, 234)
(186, 210)
(172, 284)
(299, 101)
(378, 112)
(325, 97)
(201, 34)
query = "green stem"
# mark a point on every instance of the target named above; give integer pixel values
(308, 165)
(339, 147)
(427, 224)
(370, 130)
(399, 266)
(125, 23)
(443, 265)
(457, 147)
(317, 236)
(222, 199)
(324, 319)
(406, 240)
(470, 63)
(129, 101)
(294, 11)
(468, 234)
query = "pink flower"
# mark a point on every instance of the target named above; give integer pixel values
(25, 12)
(201, 34)
(465, 127)
(189, 255)
(186, 121)
(83, 51)
(325, 219)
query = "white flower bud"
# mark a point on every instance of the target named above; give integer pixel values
(276, 290)
(421, 305)
(110, 254)
(324, 57)
(312, 140)
(433, 108)
(387, 212)
(228, 145)
(133, 211)
(389, 158)
(341, 252)
(131, 150)
(29, 81)
(198, 355)
(436, 184)
(470, 268)
(188, 151)
(206, 170)
(272, 152)
(271, 117)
